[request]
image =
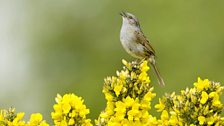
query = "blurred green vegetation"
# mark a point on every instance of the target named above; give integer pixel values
(71, 46)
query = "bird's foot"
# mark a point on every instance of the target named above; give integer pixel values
(142, 60)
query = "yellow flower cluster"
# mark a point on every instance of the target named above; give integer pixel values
(196, 106)
(70, 111)
(9, 118)
(128, 96)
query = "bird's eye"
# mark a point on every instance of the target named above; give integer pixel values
(130, 17)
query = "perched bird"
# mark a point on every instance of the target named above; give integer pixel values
(135, 43)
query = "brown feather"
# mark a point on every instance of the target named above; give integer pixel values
(143, 40)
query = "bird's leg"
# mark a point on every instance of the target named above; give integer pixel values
(138, 61)
(142, 60)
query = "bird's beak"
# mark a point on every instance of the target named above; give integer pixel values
(123, 14)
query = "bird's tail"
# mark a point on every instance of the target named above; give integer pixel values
(159, 77)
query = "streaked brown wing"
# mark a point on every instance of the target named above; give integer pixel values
(143, 40)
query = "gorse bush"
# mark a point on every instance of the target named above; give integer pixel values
(129, 95)
(9, 118)
(70, 110)
(196, 106)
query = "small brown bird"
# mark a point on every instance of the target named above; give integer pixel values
(135, 43)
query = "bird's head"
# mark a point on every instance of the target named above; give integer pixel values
(129, 19)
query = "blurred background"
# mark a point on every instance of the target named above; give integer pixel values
(53, 46)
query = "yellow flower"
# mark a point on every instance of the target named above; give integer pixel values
(210, 121)
(173, 120)
(149, 95)
(71, 121)
(133, 75)
(200, 102)
(143, 77)
(58, 98)
(128, 65)
(35, 118)
(201, 84)
(128, 96)
(215, 99)
(120, 107)
(108, 96)
(123, 74)
(18, 120)
(9, 118)
(164, 115)
(201, 120)
(134, 111)
(204, 97)
(144, 66)
(160, 107)
(69, 110)
(20, 115)
(87, 122)
(128, 101)
(117, 89)
(152, 121)
(120, 110)
(66, 108)
(110, 108)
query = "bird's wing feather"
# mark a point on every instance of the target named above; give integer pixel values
(143, 40)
